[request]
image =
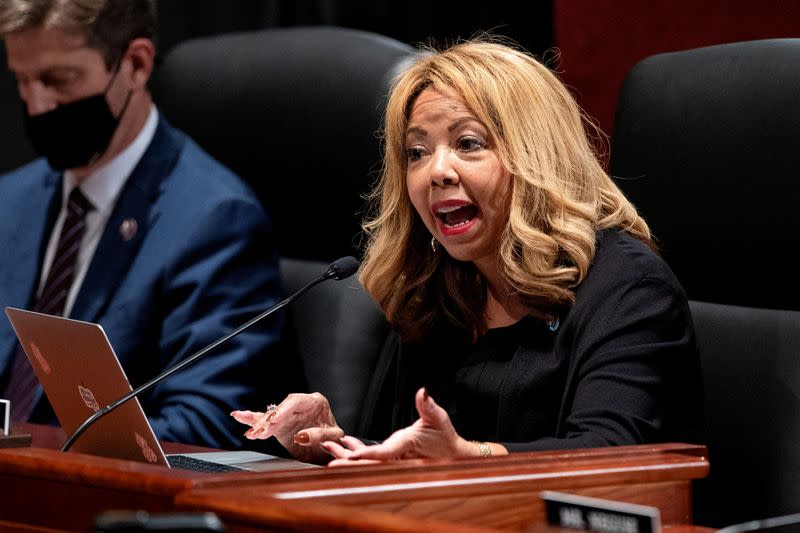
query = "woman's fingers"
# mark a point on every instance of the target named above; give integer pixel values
(335, 449)
(294, 413)
(247, 417)
(395, 447)
(304, 425)
(262, 426)
(300, 423)
(431, 413)
(352, 443)
(256, 420)
(304, 410)
(314, 436)
(342, 454)
(432, 435)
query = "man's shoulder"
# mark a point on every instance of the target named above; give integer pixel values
(37, 167)
(26, 179)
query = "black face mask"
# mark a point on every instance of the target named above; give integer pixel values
(73, 134)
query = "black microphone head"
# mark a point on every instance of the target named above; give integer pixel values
(342, 268)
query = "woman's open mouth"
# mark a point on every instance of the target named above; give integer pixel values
(455, 216)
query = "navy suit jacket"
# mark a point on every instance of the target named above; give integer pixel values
(202, 262)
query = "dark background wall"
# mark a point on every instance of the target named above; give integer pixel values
(529, 23)
(599, 40)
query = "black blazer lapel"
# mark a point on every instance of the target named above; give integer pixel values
(116, 251)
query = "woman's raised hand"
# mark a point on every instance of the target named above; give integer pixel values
(300, 423)
(432, 435)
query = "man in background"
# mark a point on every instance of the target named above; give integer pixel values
(126, 222)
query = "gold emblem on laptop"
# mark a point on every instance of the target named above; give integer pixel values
(88, 398)
(147, 451)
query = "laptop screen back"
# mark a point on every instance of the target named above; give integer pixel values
(80, 374)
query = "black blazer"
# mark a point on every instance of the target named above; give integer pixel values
(621, 367)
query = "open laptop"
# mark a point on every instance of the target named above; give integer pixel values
(80, 374)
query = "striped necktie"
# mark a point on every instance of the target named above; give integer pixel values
(23, 387)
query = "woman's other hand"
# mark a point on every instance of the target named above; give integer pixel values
(432, 435)
(300, 423)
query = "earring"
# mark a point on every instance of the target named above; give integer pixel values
(433, 244)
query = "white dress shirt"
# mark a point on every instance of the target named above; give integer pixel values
(102, 188)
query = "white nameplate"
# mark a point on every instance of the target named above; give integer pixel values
(5, 411)
(595, 514)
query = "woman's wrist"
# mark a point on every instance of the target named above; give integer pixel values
(484, 449)
(475, 448)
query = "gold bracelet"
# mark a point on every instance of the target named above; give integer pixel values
(484, 448)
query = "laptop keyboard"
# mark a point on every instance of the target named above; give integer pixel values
(184, 462)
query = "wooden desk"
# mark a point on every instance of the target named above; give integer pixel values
(43, 488)
(498, 493)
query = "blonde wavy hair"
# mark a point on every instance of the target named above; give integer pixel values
(560, 195)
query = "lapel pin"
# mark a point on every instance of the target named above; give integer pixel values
(128, 229)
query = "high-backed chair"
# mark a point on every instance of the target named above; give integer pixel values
(15, 150)
(338, 331)
(295, 112)
(751, 366)
(705, 145)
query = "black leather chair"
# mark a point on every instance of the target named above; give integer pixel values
(705, 144)
(295, 112)
(751, 366)
(338, 331)
(15, 150)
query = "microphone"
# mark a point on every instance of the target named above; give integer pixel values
(340, 269)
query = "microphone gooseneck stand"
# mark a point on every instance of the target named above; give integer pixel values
(339, 269)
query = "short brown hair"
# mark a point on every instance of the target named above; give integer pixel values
(107, 25)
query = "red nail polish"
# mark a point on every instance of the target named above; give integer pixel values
(302, 438)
